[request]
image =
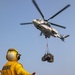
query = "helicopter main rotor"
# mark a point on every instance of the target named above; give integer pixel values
(36, 5)
(59, 12)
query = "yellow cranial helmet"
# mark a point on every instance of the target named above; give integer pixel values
(12, 55)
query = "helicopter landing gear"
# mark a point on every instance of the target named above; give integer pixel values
(48, 56)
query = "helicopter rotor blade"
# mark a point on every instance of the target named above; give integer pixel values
(59, 11)
(38, 8)
(26, 23)
(57, 25)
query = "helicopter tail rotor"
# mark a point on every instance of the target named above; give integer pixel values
(63, 37)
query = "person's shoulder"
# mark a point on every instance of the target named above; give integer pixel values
(19, 64)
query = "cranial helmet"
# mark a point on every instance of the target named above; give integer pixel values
(12, 55)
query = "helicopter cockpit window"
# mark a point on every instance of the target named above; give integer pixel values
(38, 19)
(42, 21)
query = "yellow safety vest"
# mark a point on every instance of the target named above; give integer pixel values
(13, 68)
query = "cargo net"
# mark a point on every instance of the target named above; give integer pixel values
(48, 56)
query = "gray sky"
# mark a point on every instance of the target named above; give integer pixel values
(27, 40)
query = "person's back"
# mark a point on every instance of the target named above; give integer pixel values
(9, 68)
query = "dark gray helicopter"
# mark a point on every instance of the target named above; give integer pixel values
(45, 26)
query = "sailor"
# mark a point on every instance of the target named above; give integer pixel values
(13, 67)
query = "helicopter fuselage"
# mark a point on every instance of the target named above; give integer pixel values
(45, 28)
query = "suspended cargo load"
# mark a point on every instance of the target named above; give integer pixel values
(48, 57)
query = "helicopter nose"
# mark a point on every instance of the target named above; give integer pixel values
(34, 21)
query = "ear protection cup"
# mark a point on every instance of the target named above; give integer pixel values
(18, 56)
(10, 56)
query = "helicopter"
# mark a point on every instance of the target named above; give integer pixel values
(45, 26)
